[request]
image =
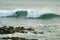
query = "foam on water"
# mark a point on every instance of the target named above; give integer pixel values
(4, 13)
(33, 14)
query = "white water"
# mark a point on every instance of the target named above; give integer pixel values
(35, 14)
(4, 13)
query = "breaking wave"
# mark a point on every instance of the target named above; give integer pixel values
(28, 14)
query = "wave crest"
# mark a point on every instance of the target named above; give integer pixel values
(28, 14)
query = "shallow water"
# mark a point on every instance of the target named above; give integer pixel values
(50, 27)
(26, 22)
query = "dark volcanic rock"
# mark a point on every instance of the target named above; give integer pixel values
(17, 38)
(11, 29)
(30, 29)
(41, 32)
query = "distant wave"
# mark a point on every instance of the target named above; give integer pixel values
(28, 14)
(48, 16)
(42, 15)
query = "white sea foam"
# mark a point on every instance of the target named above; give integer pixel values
(4, 13)
(33, 14)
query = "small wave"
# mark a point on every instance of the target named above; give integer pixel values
(41, 15)
(12, 13)
(28, 14)
(48, 16)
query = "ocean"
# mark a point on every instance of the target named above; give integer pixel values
(42, 15)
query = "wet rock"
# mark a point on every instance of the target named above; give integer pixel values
(35, 32)
(21, 31)
(30, 29)
(34, 39)
(17, 38)
(41, 33)
(20, 28)
(11, 29)
(3, 30)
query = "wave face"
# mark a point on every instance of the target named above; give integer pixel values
(28, 14)
(48, 16)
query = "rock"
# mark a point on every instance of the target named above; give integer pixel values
(34, 39)
(16, 38)
(10, 29)
(30, 29)
(3, 30)
(41, 33)
(35, 32)
(21, 30)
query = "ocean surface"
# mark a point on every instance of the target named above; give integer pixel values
(32, 13)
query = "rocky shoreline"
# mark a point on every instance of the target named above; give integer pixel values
(12, 29)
